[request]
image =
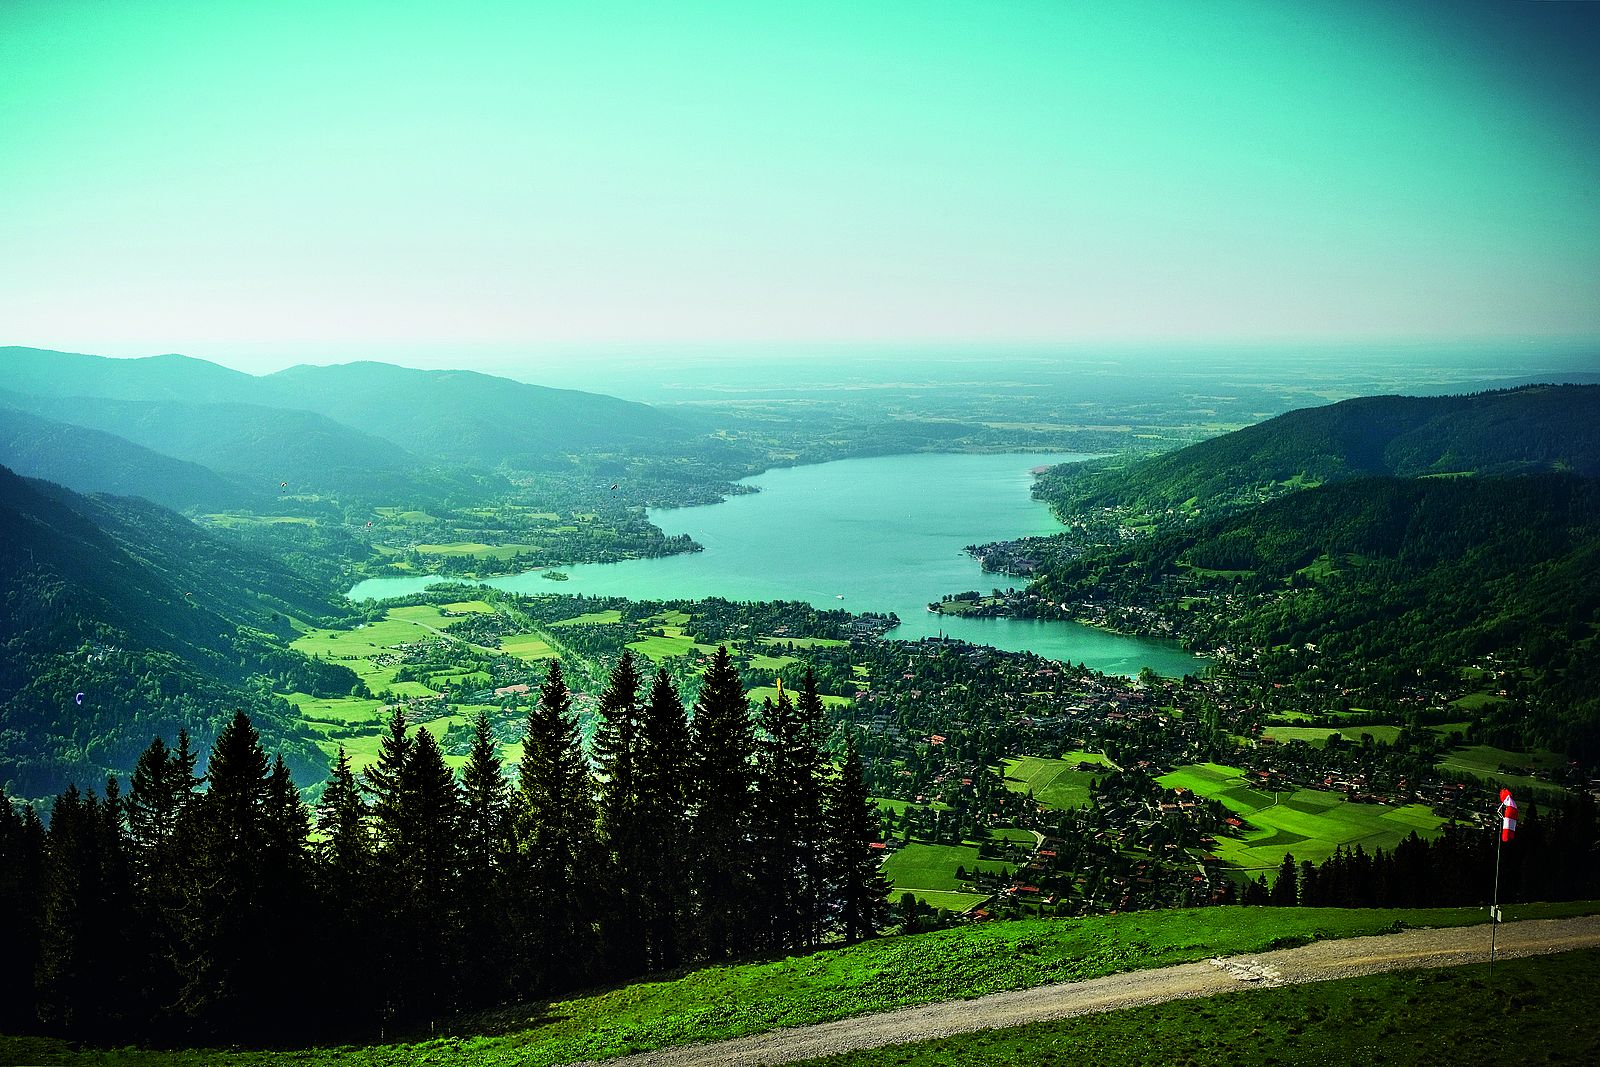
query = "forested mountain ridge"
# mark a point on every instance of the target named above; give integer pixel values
(439, 416)
(466, 416)
(155, 622)
(1366, 585)
(261, 447)
(94, 461)
(1508, 432)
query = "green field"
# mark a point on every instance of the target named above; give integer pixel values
(1056, 783)
(1307, 823)
(769, 692)
(720, 1002)
(469, 607)
(526, 646)
(670, 642)
(593, 618)
(474, 549)
(1317, 736)
(356, 648)
(1542, 1010)
(929, 872)
(234, 521)
(403, 515)
(899, 806)
(1484, 761)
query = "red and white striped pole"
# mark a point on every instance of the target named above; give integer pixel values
(1508, 827)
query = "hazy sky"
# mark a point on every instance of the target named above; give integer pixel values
(269, 182)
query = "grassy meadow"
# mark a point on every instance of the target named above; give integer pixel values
(1306, 823)
(1542, 1010)
(928, 871)
(1486, 761)
(721, 1002)
(1055, 783)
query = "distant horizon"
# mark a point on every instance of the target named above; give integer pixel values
(1517, 356)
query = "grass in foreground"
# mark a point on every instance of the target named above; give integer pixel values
(1537, 1010)
(721, 1002)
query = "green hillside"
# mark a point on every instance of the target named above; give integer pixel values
(465, 416)
(1542, 1010)
(258, 445)
(714, 1003)
(1518, 431)
(157, 623)
(93, 461)
(387, 417)
(41, 372)
(1387, 578)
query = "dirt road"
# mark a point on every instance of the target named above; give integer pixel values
(1316, 962)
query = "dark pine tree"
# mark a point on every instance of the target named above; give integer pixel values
(485, 849)
(161, 833)
(289, 910)
(384, 782)
(558, 868)
(85, 918)
(720, 849)
(616, 750)
(661, 823)
(344, 866)
(22, 843)
(1286, 889)
(387, 904)
(789, 820)
(428, 870)
(856, 886)
(230, 916)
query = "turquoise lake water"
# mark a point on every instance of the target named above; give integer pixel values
(881, 534)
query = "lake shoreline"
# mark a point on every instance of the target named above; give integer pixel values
(885, 534)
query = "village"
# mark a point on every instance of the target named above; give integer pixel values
(1007, 783)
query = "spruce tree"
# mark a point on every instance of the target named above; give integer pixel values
(86, 917)
(486, 805)
(428, 865)
(811, 770)
(559, 870)
(388, 906)
(616, 748)
(662, 823)
(345, 887)
(1286, 889)
(383, 781)
(345, 850)
(288, 912)
(855, 884)
(720, 848)
(22, 841)
(789, 817)
(155, 799)
(162, 840)
(227, 907)
(485, 847)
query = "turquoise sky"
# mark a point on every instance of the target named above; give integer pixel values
(279, 180)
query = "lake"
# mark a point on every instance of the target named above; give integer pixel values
(881, 534)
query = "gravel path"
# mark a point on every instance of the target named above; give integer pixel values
(1319, 961)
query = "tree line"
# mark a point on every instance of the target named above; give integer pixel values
(223, 906)
(1552, 857)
